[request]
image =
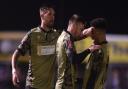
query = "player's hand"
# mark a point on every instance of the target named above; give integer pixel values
(94, 47)
(87, 32)
(15, 78)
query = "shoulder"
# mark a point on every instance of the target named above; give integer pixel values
(56, 32)
(64, 36)
(36, 29)
(32, 30)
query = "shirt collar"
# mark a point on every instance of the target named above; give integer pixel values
(49, 30)
(69, 34)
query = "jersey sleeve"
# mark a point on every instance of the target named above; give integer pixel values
(24, 46)
(71, 52)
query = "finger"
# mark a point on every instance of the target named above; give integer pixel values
(15, 83)
(18, 80)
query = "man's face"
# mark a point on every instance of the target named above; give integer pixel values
(79, 27)
(48, 16)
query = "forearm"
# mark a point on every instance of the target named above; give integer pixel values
(81, 56)
(86, 32)
(15, 57)
(78, 58)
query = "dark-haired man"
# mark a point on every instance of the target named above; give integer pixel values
(96, 69)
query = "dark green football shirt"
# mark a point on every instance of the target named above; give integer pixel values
(96, 69)
(41, 46)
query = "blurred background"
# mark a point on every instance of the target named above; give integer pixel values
(19, 16)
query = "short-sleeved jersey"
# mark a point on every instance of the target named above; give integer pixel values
(96, 69)
(64, 75)
(67, 58)
(41, 46)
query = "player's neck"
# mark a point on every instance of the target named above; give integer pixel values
(44, 26)
(100, 40)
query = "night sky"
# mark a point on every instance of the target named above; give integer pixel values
(22, 15)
